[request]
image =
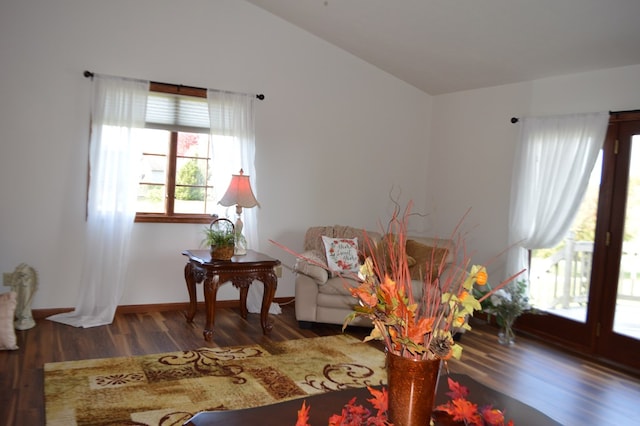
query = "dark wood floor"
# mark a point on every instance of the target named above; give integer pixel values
(569, 389)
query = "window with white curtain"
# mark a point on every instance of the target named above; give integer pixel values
(178, 182)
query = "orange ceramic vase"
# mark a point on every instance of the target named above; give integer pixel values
(412, 388)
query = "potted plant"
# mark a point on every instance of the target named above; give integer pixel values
(220, 237)
(507, 304)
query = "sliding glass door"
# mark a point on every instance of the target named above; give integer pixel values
(588, 287)
(618, 322)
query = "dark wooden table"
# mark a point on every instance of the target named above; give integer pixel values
(326, 404)
(241, 271)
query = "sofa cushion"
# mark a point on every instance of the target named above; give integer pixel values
(383, 251)
(344, 302)
(313, 238)
(7, 314)
(424, 255)
(314, 234)
(339, 286)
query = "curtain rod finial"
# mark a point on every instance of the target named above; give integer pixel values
(514, 120)
(88, 74)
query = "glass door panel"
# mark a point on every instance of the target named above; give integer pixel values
(617, 336)
(626, 319)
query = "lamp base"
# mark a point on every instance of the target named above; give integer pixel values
(240, 247)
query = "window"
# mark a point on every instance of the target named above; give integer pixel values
(176, 176)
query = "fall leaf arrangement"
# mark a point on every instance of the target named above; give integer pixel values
(459, 409)
(424, 328)
(355, 415)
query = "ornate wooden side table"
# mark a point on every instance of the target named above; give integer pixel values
(241, 271)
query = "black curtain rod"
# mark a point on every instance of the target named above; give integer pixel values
(89, 74)
(629, 111)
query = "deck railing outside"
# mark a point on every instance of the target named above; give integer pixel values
(562, 280)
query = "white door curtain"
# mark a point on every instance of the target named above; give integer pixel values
(552, 165)
(118, 107)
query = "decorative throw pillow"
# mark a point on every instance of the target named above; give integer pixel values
(7, 313)
(311, 267)
(426, 257)
(342, 254)
(383, 251)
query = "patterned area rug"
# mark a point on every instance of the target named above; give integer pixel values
(167, 389)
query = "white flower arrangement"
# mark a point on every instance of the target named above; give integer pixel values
(508, 303)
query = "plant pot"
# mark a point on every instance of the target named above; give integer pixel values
(412, 388)
(222, 252)
(221, 235)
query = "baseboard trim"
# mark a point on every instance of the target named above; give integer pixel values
(157, 307)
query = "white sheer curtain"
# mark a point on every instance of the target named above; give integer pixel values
(232, 122)
(118, 106)
(552, 165)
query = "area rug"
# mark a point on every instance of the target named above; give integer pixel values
(167, 389)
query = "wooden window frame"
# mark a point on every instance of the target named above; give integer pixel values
(169, 216)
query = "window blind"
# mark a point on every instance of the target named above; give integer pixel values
(177, 112)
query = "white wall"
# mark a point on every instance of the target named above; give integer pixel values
(334, 134)
(473, 143)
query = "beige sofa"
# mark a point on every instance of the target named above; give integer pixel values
(322, 297)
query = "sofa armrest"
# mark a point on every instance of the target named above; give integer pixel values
(306, 298)
(311, 265)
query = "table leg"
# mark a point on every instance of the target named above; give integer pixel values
(190, 279)
(243, 301)
(211, 284)
(270, 282)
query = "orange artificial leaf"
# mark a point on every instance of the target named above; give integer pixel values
(457, 391)
(445, 408)
(442, 408)
(465, 411)
(380, 400)
(395, 340)
(336, 420)
(357, 411)
(492, 416)
(416, 332)
(378, 421)
(389, 290)
(303, 415)
(363, 292)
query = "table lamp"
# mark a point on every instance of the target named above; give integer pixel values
(240, 194)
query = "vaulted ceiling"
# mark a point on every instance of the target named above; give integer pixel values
(442, 46)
